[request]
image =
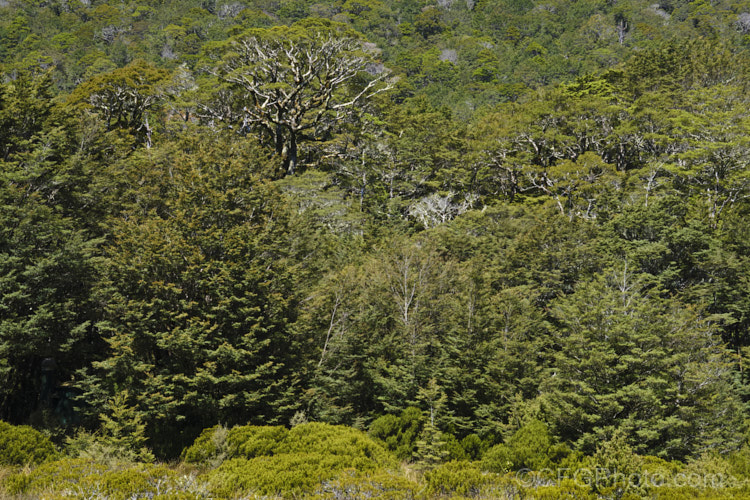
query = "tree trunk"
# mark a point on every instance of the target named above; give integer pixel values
(279, 139)
(622, 28)
(291, 160)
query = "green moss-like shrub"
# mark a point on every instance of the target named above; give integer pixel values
(54, 476)
(141, 480)
(252, 441)
(457, 477)
(352, 445)
(690, 493)
(22, 445)
(473, 446)
(566, 488)
(453, 448)
(300, 461)
(382, 485)
(399, 433)
(286, 474)
(210, 447)
(86, 478)
(531, 447)
(217, 444)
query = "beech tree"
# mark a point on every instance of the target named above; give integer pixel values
(124, 97)
(198, 299)
(296, 83)
(628, 359)
(46, 257)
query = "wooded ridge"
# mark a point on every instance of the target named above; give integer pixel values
(509, 233)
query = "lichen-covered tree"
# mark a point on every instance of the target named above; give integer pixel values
(124, 97)
(294, 84)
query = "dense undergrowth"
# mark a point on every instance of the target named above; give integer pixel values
(322, 461)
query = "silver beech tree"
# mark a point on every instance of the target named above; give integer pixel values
(295, 83)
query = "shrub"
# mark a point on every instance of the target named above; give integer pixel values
(382, 485)
(619, 468)
(210, 448)
(656, 464)
(22, 445)
(740, 462)
(400, 434)
(473, 446)
(217, 444)
(352, 445)
(251, 441)
(690, 493)
(711, 470)
(93, 447)
(294, 461)
(54, 476)
(453, 447)
(386, 429)
(531, 447)
(499, 459)
(86, 478)
(285, 474)
(567, 488)
(457, 477)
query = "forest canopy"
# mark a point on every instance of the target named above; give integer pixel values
(442, 223)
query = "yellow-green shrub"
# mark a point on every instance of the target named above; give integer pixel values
(531, 447)
(380, 484)
(300, 461)
(691, 493)
(285, 474)
(399, 433)
(251, 441)
(22, 445)
(655, 465)
(82, 477)
(740, 462)
(566, 488)
(473, 446)
(350, 444)
(54, 476)
(210, 447)
(461, 477)
(216, 444)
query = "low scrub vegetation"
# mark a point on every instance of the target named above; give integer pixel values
(322, 461)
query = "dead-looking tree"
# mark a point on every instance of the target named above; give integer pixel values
(297, 83)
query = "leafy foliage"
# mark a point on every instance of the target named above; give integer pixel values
(22, 445)
(271, 460)
(457, 477)
(210, 317)
(622, 330)
(530, 250)
(399, 433)
(530, 447)
(210, 447)
(84, 477)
